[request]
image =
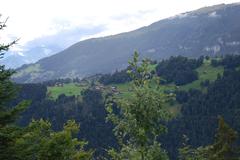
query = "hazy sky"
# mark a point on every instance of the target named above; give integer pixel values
(33, 19)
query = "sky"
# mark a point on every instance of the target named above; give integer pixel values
(31, 20)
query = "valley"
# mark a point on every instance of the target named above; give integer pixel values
(166, 91)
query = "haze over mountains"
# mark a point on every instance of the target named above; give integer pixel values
(208, 31)
(46, 46)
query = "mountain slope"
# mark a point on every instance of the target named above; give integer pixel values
(207, 31)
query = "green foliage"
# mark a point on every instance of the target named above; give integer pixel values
(205, 72)
(222, 149)
(7, 92)
(139, 121)
(116, 78)
(39, 141)
(153, 152)
(179, 70)
(229, 61)
(8, 114)
(189, 153)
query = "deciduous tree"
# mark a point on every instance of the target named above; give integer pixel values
(139, 118)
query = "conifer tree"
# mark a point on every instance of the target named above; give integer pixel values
(8, 114)
(223, 148)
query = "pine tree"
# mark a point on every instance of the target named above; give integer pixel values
(8, 114)
(223, 147)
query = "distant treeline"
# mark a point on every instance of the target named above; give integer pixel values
(229, 61)
(180, 70)
(115, 78)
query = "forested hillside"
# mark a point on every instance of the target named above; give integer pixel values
(196, 104)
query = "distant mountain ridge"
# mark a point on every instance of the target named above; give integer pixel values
(207, 31)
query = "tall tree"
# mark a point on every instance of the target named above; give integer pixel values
(8, 114)
(223, 148)
(138, 119)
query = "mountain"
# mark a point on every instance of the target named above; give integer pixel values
(46, 45)
(14, 60)
(208, 31)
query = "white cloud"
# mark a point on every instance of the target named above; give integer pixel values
(31, 19)
(47, 51)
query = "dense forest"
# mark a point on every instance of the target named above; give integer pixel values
(89, 112)
(179, 70)
(200, 111)
(116, 77)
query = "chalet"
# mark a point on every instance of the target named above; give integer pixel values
(58, 84)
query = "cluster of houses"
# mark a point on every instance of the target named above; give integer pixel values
(113, 89)
(59, 84)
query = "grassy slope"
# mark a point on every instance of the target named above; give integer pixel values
(67, 89)
(206, 71)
